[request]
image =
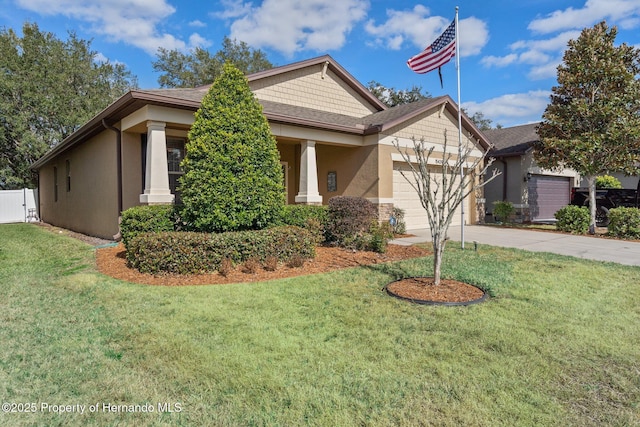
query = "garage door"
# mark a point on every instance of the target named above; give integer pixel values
(547, 194)
(406, 198)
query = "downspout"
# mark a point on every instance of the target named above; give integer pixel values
(118, 171)
(504, 179)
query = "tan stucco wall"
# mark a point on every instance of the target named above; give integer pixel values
(91, 205)
(356, 169)
(306, 88)
(131, 169)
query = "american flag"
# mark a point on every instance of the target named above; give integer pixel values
(437, 54)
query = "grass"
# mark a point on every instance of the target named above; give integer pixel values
(557, 345)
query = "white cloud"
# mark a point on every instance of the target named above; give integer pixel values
(625, 12)
(233, 9)
(289, 26)
(543, 56)
(499, 61)
(512, 109)
(545, 71)
(135, 22)
(421, 29)
(196, 40)
(197, 24)
(99, 58)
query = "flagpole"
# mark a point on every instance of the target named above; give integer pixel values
(459, 130)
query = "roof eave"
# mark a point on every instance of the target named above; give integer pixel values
(110, 115)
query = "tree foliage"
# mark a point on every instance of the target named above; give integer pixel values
(233, 178)
(199, 67)
(592, 124)
(391, 96)
(48, 89)
(482, 122)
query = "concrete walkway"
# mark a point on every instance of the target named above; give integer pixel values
(601, 249)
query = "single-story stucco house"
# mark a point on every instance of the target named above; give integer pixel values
(536, 193)
(333, 135)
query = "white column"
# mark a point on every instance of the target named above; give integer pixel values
(308, 192)
(156, 189)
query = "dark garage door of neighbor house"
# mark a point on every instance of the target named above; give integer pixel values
(547, 194)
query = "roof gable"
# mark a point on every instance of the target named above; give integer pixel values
(319, 83)
(402, 115)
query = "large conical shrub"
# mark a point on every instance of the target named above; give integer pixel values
(233, 178)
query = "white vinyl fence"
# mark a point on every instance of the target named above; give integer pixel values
(18, 206)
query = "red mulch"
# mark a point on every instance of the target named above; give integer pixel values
(422, 288)
(111, 261)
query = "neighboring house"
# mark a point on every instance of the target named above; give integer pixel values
(535, 193)
(334, 138)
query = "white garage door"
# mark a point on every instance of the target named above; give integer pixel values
(406, 198)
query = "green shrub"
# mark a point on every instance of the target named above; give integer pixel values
(298, 215)
(232, 174)
(503, 210)
(191, 252)
(573, 219)
(311, 217)
(607, 181)
(624, 223)
(378, 238)
(348, 219)
(143, 219)
(400, 227)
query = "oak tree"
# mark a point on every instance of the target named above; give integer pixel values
(48, 89)
(200, 67)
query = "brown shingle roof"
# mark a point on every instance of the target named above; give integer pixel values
(513, 141)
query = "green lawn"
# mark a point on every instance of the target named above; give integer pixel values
(557, 345)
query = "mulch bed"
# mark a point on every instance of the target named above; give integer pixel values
(111, 261)
(423, 289)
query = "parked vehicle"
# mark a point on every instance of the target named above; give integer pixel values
(606, 199)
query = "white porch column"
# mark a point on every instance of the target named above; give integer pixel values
(156, 188)
(308, 192)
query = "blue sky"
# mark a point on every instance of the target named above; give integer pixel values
(509, 49)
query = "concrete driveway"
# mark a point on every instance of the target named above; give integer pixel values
(600, 249)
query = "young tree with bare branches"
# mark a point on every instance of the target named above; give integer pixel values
(442, 183)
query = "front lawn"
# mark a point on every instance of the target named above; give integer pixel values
(557, 345)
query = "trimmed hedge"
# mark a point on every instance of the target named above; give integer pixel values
(299, 215)
(191, 252)
(624, 223)
(310, 217)
(573, 219)
(145, 219)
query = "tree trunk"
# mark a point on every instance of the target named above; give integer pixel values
(438, 250)
(591, 182)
